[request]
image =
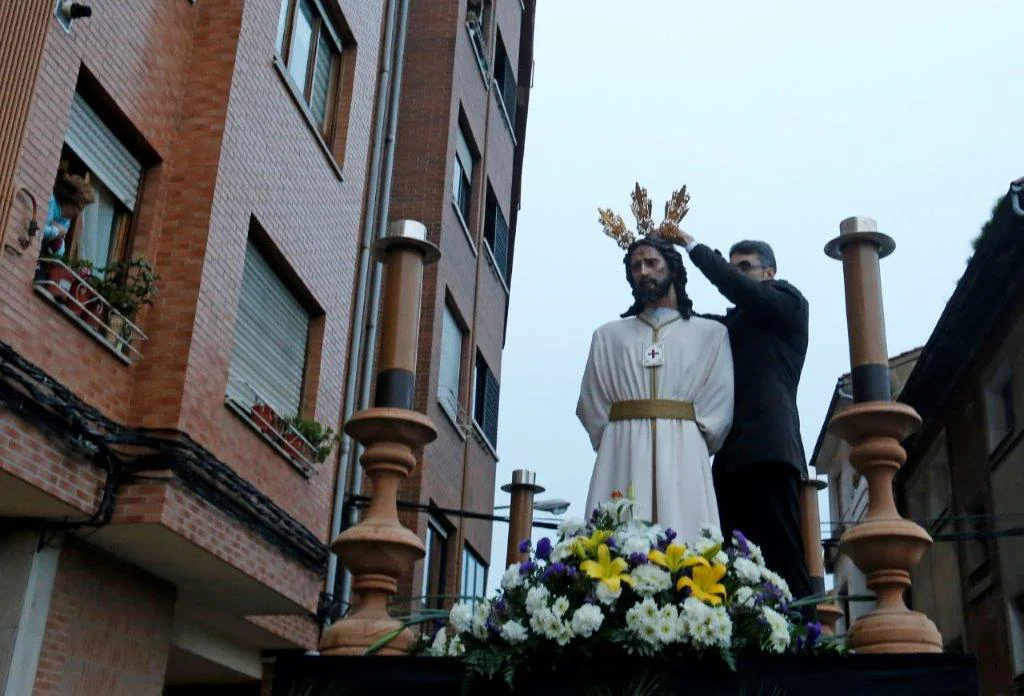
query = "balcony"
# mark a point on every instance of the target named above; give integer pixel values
(276, 429)
(475, 28)
(74, 293)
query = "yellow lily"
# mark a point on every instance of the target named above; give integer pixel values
(672, 559)
(608, 570)
(586, 548)
(705, 585)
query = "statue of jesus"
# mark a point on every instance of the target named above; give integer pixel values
(657, 391)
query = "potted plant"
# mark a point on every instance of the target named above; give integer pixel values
(319, 437)
(265, 417)
(127, 286)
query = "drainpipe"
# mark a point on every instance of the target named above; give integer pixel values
(369, 347)
(359, 309)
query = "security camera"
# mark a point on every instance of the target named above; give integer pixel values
(75, 10)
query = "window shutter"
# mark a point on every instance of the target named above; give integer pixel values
(451, 358)
(490, 423)
(500, 248)
(102, 152)
(464, 154)
(508, 91)
(271, 332)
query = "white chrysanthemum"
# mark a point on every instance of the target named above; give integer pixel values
(536, 599)
(667, 630)
(776, 579)
(634, 544)
(563, 551)
(461, 617)
(641, 616)
(703, 545)
(570, 527)
(439, 646)
(710, 532)
(560, 606)
(456, 648)
(650, 579)
(480, 613)
(747, 571)
(563, 634)
(755, 553)
(721, 558)
(587, 620)
(512, 577)
(606, 595)
(779, 638)
(704, 626)
(744, 597)
(513, 632)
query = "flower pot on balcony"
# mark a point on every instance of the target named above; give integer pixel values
(115, 329)
(62, 282)
(297, 447)
(264, 417)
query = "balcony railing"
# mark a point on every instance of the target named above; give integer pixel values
(275, 428)
(70, 292)
(476, 37)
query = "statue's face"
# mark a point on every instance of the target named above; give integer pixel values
(647, 267)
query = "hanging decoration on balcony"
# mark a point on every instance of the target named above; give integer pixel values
(618, 585)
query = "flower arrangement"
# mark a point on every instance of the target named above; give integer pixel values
(617, 584)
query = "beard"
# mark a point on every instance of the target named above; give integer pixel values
(649, 291)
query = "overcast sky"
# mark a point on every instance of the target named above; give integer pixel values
(783, 118)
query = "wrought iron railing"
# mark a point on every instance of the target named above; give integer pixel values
(476, 37)
(253, 407)
(70, 291)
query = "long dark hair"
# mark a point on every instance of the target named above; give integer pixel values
(676, 269)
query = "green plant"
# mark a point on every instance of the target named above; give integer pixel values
(321, 437)
(128, 285)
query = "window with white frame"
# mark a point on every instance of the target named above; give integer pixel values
(434, 563)
(474, 574)
(310, 47)
(496, 233)
(1000, 411)
(268, 360)
(462, 181)
(450, 369)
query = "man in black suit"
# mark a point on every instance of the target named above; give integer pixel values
(757, 472)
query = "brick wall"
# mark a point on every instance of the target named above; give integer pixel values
(109, 628)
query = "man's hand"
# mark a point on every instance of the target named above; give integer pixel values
(685, 238)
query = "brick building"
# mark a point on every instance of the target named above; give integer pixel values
(458, 167)
(162, 525)
(964, 473)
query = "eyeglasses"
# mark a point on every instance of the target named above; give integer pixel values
(747, 267)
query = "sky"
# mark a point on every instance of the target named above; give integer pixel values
(782, 119)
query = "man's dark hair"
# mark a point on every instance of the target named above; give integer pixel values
(676, 272)
(762, 249)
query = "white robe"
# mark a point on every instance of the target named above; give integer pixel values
(697, 367)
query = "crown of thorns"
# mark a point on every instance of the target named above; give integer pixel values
(675, 210)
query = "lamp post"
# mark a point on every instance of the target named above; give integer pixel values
(884, 546)
(379, 549)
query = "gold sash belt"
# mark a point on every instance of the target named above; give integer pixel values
(652, 408)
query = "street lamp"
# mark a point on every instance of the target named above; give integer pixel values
(554, 506)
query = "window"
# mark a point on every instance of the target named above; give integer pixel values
(485, 401)
(474, 574)
(311, 50)
(478, 19)
(1000, 412)
(268, 359)
(505, 77)
(450, 370)
(462, 182)
(496, 234)
(434, 566)
(99, 234)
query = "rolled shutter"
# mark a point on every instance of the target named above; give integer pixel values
(490, 424)
(500, 243)
(271, 333)
(102, 152)
(451, 359)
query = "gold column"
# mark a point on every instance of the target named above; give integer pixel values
(522, 489)
(885, 546)
(379, 549)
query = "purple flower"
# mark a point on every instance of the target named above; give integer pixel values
(670, 535)
(808, 641)
(527, 567)
(524, 546)
(637, 558)
(554, 570)
(611, 543)
(544, 549)
(741, 543)
(500, 608)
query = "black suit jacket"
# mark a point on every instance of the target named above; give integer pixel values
(768, 335)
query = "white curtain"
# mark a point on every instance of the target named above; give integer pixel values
(97, 224)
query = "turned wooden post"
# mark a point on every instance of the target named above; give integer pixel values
(885, 546)
(379, 549)
(520, 512)
(828, 612)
